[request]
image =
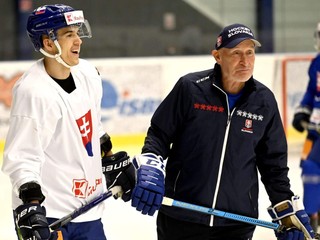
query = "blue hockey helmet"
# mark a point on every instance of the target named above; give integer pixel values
(47, 19)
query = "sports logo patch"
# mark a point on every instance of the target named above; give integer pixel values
(248, 123)
(249, 119)
(219, 41)
(85, 127)
(80, 187)
(247, 126)
(74, 17)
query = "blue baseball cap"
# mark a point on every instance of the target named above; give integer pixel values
(233, 34)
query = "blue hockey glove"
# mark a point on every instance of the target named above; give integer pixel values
(119, 171)
(148, 194)
(31, 221)
(291, 214)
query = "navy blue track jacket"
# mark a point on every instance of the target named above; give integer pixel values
(213, 154)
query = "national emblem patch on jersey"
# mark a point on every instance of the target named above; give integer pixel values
(85, 127)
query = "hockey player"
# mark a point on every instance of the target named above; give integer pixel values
(307, 117)
(52, 152)
(216, 128)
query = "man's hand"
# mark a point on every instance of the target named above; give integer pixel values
(291, 214)
(31, 221)
(148, 194)
(119, 171)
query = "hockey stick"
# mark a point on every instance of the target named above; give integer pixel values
(308, 126)
(277, 227)
(171, 202)
(84, 208)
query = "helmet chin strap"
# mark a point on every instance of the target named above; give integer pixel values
(56, 56)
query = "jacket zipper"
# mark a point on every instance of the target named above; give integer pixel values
(225, 140)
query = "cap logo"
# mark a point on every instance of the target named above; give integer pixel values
(233, 34)
(239, 30)
(74, 17)
(219, 41)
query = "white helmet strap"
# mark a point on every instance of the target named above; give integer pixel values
(56, 56)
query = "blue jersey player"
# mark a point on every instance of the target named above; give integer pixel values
(307, 117)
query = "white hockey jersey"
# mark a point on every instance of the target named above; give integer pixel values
(54, 139)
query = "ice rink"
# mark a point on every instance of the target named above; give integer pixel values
(121, 221)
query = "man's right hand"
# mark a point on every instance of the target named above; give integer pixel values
(31, 221)
(119, 171)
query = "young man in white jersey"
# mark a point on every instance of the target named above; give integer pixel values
(55, 141)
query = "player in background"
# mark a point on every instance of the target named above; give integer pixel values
(55, 141)
(307, 117)
(217, 128)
